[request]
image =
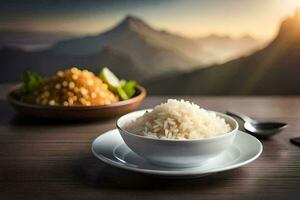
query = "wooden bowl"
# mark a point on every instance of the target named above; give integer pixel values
(75, 112)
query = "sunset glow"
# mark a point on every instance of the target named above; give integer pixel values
(292, 4)
(190, 18)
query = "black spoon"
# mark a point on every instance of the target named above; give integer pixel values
(259, 129)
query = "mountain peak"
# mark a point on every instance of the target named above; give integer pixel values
(132, 18)
(132, 22)
(290, 27)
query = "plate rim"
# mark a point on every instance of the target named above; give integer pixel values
(174, 173)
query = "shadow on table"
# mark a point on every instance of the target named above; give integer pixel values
(10, 117)
(95, 173)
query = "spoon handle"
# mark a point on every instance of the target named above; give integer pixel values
(295, 140)
(240, 116)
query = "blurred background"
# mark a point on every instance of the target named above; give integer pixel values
(172, 47)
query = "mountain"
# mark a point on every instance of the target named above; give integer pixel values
(224, 48)
(16, 62)
(159, 50)
(31, 41)
(273, 70)
(139, 49)
(155, 51)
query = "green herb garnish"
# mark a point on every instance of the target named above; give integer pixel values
(31, 81)
(122, 83)
(110, 79)
(124, 89)
(122, 94)
(129, 88)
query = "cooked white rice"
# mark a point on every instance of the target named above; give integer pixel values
(178, 120)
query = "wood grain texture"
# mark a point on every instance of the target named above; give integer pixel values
(42, 159)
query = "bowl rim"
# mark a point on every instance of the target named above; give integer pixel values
(14, 101)
(223, 115)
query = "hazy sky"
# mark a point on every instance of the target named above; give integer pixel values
(193, 18)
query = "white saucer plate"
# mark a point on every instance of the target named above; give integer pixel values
(111, 149)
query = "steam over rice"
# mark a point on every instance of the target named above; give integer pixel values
(178, 120)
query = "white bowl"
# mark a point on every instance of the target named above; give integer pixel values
(176, 153)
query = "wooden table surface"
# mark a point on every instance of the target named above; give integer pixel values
(41, 159)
